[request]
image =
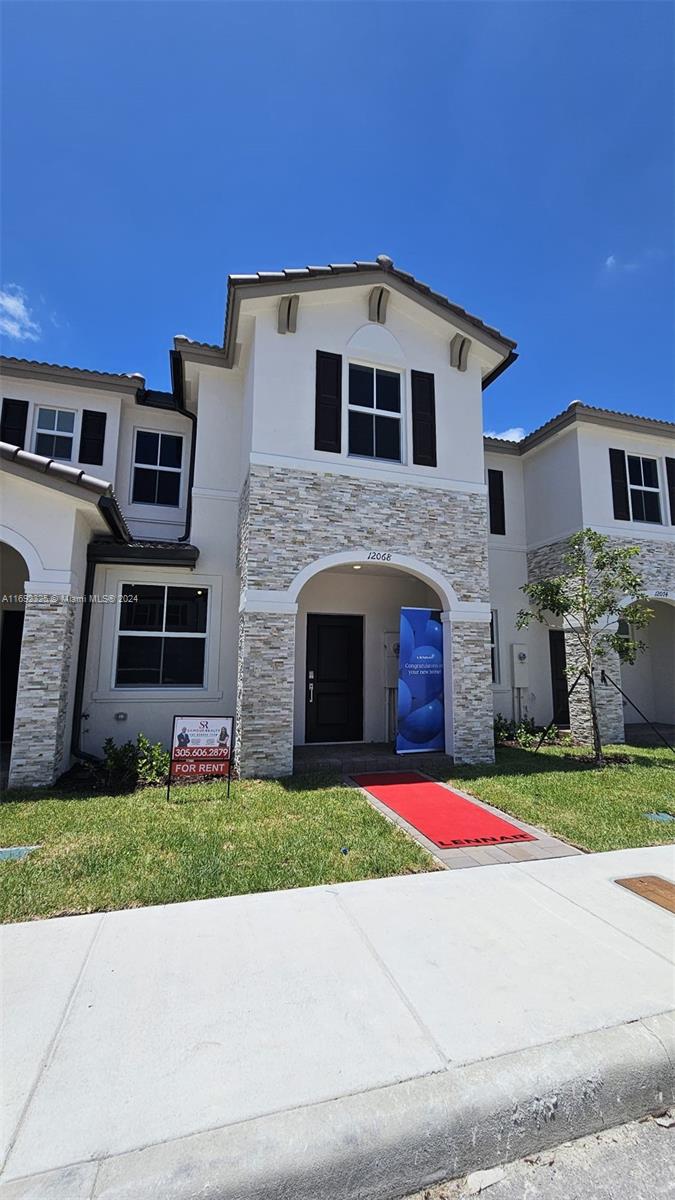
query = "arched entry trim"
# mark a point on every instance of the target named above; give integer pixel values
(23, 547)
(403, 562)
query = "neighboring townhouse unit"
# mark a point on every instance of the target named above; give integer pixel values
(612, 472)
(246, 541)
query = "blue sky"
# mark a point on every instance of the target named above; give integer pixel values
(516, 156)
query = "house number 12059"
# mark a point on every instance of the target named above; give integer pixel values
(378, 556)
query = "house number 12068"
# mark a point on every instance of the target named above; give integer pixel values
(379, 556)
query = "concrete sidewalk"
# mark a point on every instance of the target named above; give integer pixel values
(360, 1040)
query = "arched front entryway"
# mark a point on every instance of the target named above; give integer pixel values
(649, 683)
(346, 651)
(371, 587)
(14, 574)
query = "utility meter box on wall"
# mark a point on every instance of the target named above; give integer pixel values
(520, 665)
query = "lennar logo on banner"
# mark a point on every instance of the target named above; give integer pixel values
(421, 719)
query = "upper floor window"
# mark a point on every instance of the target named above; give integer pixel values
(635, 487)
(374, 413)
(162, 636)
(643, 478)
(54, 431)
(157, 466)
(496, 509)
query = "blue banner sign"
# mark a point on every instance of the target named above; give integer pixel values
(421, 720)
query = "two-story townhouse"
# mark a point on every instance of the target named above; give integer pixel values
(593, 468)
(245, 542)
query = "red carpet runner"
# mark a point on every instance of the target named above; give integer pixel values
(441, 815)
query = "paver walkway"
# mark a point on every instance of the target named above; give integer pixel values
(544, 846)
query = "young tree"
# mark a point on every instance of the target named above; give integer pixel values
(598, 587)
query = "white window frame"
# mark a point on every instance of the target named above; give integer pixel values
(642, 487)
(494, 646)
(55, 408)
(160, 433)
(374, 411)
(160, 633)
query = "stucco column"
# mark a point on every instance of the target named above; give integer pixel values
(468, 687)
(39, 739)
(609, 701)
(265, 678)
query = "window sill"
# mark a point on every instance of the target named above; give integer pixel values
(371, 458)
(157, 695)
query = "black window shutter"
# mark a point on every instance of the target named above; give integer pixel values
(13, 423)
(496, 501)
(617, 466)
(423, 418)
(328, 419)
(670, 476)
(92, 437)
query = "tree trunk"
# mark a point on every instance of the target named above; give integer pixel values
(597, 741)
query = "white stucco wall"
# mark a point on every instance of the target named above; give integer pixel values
(650, 682)
(552, 489)
(378, 597)
(283, 382)
(594, 443)
(50, 525)
(214, 531)
(150, 520)
(150, 710)
(71, 398)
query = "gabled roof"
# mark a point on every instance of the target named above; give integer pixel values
(382, 270)
(580, 412)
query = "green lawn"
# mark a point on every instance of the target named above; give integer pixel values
(596, 810)
(105, 852)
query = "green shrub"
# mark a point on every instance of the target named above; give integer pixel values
(503, 729)
(153, 761)
(125, 767)
(523, 733)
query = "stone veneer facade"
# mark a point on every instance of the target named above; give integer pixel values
(290, 518)
(38, 742)
(264, 732)
(473, 716)
(656, 564)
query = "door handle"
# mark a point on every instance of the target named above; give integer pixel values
(311, 693)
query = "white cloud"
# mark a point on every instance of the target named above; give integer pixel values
(613, 263)
(16, 318)
(515, 434)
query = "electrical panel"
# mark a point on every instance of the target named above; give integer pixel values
(520, 667)
(391, 648)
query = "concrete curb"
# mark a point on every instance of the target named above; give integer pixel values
(392, 1141)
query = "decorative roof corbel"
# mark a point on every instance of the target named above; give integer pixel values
(377, 305)
(459, 351)
(287, 321)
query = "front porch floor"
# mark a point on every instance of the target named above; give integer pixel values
(361, 757)
(364, 757)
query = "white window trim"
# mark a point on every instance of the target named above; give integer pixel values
(494, 647)
(57, 408)
(401, 416)
(641, 487)
(162, 689)
(146, 504)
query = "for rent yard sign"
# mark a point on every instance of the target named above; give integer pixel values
(201, 747)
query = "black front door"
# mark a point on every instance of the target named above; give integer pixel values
(10, 653)
(334, 684)
(559, 685)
